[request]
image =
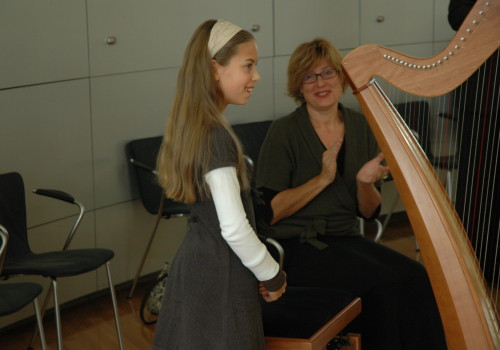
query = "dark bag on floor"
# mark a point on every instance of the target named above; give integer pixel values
(153, 298)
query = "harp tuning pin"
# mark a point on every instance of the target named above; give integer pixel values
(481, 12)
(462, 39)
(445, 57)
(474, 22)
(456, 47)
(487, 3)
(429, 66)
(439, 62)
(468, 30)
(450, 53)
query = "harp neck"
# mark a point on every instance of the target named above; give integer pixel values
(475, 41)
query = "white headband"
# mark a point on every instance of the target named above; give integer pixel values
(221, 33)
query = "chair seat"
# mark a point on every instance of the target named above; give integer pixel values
(15, 296)
(302, 311)
(58, 264)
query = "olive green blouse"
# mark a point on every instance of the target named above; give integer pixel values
(291, 155)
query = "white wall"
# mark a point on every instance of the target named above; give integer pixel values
(69, 101)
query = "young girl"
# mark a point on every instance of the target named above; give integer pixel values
(212, 296)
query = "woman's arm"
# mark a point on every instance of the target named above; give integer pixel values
(288, 202)
(369, 197)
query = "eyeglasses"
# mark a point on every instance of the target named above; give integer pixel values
(326, 74)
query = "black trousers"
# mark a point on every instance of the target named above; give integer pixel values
(398, 306)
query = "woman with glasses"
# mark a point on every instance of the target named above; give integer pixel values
(319, 169)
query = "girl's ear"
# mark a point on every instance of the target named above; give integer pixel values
(215, 70)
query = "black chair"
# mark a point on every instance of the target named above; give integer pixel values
(142, 153)
(21, 260)
(15, 296)
(251, 136)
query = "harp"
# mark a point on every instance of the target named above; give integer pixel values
(469, 315)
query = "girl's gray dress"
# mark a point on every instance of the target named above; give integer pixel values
(211, 300)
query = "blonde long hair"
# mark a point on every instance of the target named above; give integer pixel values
(196, 110)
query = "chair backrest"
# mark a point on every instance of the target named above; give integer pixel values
(251, 136)
(145, 150)
(13, 214)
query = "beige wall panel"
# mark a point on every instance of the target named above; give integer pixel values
(154, 33)
(387, 22)
(125, 107)
(297, 21)
(45, 136)
(42, 41)
(442, 29)
(282, 103)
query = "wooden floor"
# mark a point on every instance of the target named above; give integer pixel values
(90, 325)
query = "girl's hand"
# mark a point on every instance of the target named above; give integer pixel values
(271, 296)
(373, 170)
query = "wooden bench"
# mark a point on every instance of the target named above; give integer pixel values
(309, 319)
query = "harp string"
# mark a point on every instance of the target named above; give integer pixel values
(459, 133)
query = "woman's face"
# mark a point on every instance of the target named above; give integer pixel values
(323, 94)
(238, 78)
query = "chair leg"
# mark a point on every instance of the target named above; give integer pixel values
(145, 254)
(388, 217)
(361, 226)
(380, 230)
(58, 315)
(40, 324)
(45, 305)
(115, 307)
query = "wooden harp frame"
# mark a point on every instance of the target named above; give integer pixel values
(468, 315)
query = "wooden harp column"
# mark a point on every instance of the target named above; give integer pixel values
(468, 314)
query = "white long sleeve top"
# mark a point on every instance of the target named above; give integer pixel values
(235, 227)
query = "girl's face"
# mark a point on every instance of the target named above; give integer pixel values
(237, 79)
(323, 94)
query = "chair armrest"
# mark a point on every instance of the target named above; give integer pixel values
(63, 196)
(143, 166)
(276, 245)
